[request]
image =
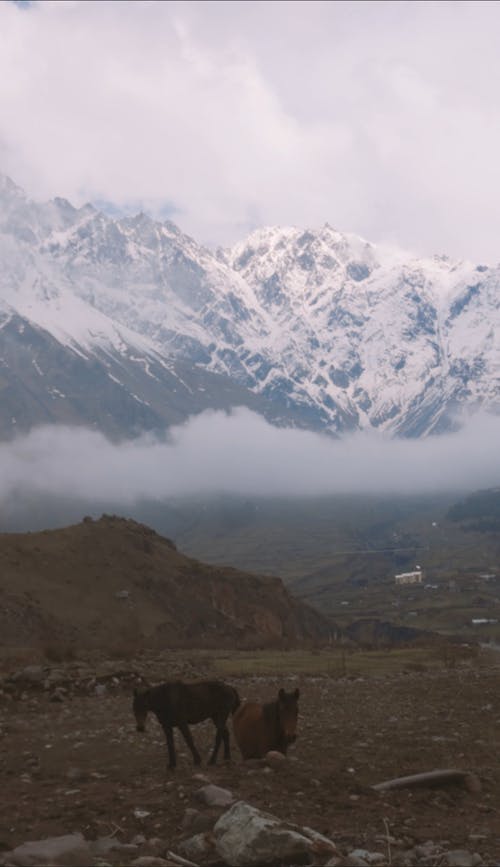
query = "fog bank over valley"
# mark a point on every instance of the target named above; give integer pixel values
(240, 453)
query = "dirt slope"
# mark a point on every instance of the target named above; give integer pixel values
(113, 582)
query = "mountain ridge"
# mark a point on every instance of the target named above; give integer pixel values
(315, 329)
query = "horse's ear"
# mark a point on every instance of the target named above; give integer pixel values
(281, 694)
(297, 693)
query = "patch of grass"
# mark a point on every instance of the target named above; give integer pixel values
(330, 663)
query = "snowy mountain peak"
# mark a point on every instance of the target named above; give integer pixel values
(10, 190)
(332, 331)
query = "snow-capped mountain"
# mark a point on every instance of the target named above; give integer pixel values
(380, 338)
(130, 324)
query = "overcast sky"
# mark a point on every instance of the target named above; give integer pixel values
(381, 118)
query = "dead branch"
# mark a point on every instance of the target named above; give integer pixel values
(432, 778)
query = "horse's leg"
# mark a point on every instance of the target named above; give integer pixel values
(184, 728)
(221, 735)
(218, 739)
(169, 734)
(227, 748)
(282, 746)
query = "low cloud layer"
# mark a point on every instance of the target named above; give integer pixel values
(240, 453)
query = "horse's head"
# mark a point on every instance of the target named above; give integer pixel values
(288, 712)
(140, 707)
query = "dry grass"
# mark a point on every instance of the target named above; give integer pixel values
(342, 663)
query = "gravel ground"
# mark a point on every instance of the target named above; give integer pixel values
(79, 765)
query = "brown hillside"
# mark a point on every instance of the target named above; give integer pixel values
(113, 582)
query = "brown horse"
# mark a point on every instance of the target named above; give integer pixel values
(259, 728)
(179, 705)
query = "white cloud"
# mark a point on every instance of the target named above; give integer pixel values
(240, 453)
(379, 118)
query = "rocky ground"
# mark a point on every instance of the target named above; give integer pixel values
(72, 762)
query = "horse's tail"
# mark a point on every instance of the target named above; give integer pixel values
(236, 701)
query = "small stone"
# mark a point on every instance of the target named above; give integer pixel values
(201, 778)
(367, 857)
(30, 674)
(150, 861)
(276, 760)
(198, 846)
(461, 858)
(214, 796)
(195, 821)
(103, 845)
(353, 860)
(69, 849)
(425, 850)
(156, 845)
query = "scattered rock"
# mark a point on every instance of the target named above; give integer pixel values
(71, 850)
(214, 796)
(276, 760)
(156, 845)
(196, 822)
(103, 845)
(150, 861)
(354, 860)
(32, 674)
(198, 846)
(461, 858)
(427, 849)
(246, 836)
(367, 857)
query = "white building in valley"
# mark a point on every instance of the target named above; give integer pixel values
(410, 577)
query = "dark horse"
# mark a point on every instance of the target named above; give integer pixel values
(179, 705)
(259, 728)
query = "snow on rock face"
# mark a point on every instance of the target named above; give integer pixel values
(397, 341)
(341, 333)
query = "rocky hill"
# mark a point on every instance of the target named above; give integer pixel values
(116, 584)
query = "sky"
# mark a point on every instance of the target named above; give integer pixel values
(380, 118)
(240, 453)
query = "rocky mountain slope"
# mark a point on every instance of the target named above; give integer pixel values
(116, 584)
(312, 328)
